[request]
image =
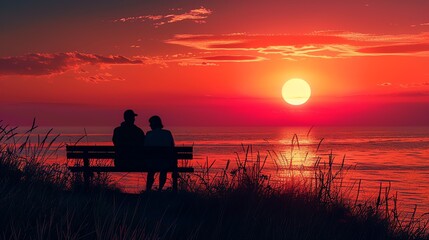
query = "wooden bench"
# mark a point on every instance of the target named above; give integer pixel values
(89, 154)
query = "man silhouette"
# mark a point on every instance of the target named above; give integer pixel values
(129, 141)
(159, 137)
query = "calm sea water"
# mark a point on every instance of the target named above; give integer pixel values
(399, 156)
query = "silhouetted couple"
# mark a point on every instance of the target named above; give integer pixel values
(130, 140)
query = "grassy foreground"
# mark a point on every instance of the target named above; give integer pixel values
(39, 201)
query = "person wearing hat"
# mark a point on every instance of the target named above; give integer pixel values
(159, 137)
(129, 141)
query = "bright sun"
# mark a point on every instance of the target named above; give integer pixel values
(296, 91)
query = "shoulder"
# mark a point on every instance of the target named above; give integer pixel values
(138, 129)
(166, 131)
(117, 129)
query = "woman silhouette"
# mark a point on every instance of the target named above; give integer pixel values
(158, 137)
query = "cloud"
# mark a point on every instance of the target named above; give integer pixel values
(209, 61)
(199, 59)
(322, 44)
(140, 18)
(406, 85)
(199, 63)
(56, 63)
(197, 15)
(414, 85)
(421, 24)
(248, 41)
(99, 78)
(261, 41)
(232, 58)
(397, 49)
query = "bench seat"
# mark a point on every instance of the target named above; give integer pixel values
(115, 169)
(85, 155)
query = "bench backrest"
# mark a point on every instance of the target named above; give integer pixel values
(108, 152)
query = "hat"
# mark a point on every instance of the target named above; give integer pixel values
(129, 113)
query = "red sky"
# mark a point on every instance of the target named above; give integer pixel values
(214, 63)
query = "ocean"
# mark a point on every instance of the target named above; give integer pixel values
(391, 156)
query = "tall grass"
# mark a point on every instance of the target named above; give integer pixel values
(325, 189)
(41, 201)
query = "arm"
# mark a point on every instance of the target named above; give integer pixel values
(115, 137)
(171, 139)
(142, 138)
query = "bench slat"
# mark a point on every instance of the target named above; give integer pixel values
(82, 148)
(101, 155)
(115, 169)
(86, 148)
(108, 152)
(188, 156)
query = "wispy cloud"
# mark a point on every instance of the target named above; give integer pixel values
(421, 24)
(209, 61)
(324, 44)
(232, 58)
(206, 59)
(414, 85)
(397, 48)
(99, 78)
(197, 63)
(55, 63)
(140, 18)
(263, 41)
(405, 85)
(197, 15)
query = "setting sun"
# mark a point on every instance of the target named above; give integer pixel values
(296, 91)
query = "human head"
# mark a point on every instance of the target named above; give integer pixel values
(129, 116)
(155, 122)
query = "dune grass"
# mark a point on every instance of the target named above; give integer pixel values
(40, 201)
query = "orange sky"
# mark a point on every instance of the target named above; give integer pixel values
(214, 63)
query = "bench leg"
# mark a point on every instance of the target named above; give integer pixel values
(86, 173)
(175, 177)
(87, 179)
